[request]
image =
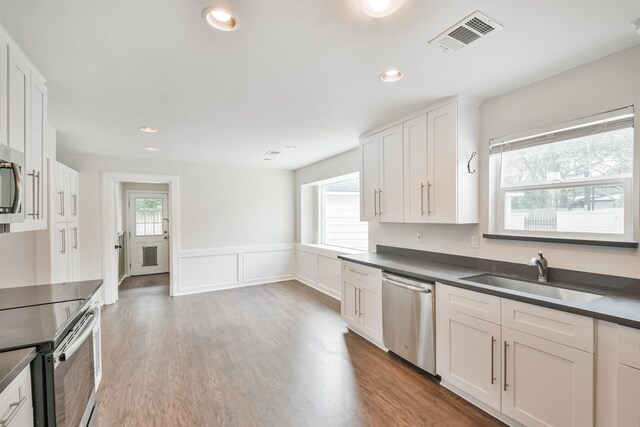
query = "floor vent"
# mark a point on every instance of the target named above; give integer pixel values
(468, 30)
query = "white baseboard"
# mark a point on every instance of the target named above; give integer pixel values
(213, 288)
(489, 410)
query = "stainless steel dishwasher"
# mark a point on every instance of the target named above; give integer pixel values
(408, 320)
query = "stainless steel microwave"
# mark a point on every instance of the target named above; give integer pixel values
(11, 165)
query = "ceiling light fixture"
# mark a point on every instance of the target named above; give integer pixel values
(151, 148)
(391, 76)
(148, 129)
(379, 8)
(220, 19)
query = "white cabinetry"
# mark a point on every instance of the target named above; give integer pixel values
(362, 300)
(531, 364)
(381, 186)
(67, 236)
(16, 404)
(23, 117)
(425, 178)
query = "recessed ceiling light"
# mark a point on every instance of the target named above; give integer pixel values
(151, 148)
(291, 147)
(220, 19)
(379, 8)
(391, 76)
(148, 129)
(268, 158)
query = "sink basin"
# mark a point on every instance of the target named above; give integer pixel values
(534, 288)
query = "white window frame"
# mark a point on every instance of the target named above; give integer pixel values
(320, 238)
(498, 191)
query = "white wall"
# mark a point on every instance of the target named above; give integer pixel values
(18, 259)
(607, 84)
(223, 209)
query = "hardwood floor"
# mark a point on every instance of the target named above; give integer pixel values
(267, 355)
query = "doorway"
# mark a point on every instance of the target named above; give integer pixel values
(147, 232)
(160, 218)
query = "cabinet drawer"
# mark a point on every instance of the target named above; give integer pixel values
(15, 401)
(629, 346)
(474, 304)
(557, 326)
(361, 273)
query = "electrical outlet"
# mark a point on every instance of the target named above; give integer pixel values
(474, 242)
(419, 237)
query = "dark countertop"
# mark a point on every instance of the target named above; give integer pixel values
(615, 306)
(12, 363)
(44, 294)
(40, 316)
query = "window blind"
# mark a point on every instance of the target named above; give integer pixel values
(604, 122)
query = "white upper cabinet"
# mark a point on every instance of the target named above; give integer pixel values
(429, 175)
(381, 183)
(23, 118)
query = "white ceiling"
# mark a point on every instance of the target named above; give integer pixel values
(296, 72)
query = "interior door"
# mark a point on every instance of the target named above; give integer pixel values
(148, 247)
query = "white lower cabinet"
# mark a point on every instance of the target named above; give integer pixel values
(471, 356)
(545, 383)
(535, 380)
(361, 305)
(16, 404)
(628, 408)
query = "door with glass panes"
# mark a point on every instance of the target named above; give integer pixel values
(148, 247)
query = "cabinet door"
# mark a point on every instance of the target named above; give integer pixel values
(415, 169)
(390, 194)
(369, 178)
(37, 145)
(72, 178)
(370, 303)
(73, 245)
(62, 252)
(442, 170)
(628, 396)
(19, 96)
(350, 312)
(469, 356)
(62, 193)
(3, 90)
(546, 383)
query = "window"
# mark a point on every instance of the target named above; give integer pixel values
(148, 216)
(339, 215)
(573, 181)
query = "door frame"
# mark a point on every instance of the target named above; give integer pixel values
(127, 247)
(109, 237)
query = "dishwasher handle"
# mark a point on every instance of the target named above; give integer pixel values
(386, 279)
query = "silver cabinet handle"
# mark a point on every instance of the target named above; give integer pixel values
(355, 301)
(63, 249)
(428, 198)
(75, 237)
(358, 272)
(61, 200)
(380, 201)
(39, 198)
(422, 198)
(493, 344)
(359, 302)
(75, 204)
(33, 194)
(15, 408)
(375, 201)
(505, 366)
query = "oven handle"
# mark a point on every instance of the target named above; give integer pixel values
(80, 339)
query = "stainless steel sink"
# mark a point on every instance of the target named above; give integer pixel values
(534, 288)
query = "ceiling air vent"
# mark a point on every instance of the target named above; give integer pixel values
(468, 30)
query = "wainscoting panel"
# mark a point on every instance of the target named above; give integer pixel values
(319, 267)
(204, 270)
(307, 266)
(329, 275)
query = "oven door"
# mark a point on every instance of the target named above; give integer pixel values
(74, 379)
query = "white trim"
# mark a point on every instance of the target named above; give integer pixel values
(329, 292)
(109, 256)
(317, 252)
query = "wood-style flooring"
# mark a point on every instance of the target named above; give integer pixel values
(267, 355)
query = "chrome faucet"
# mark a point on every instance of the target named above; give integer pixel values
(543, 268)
